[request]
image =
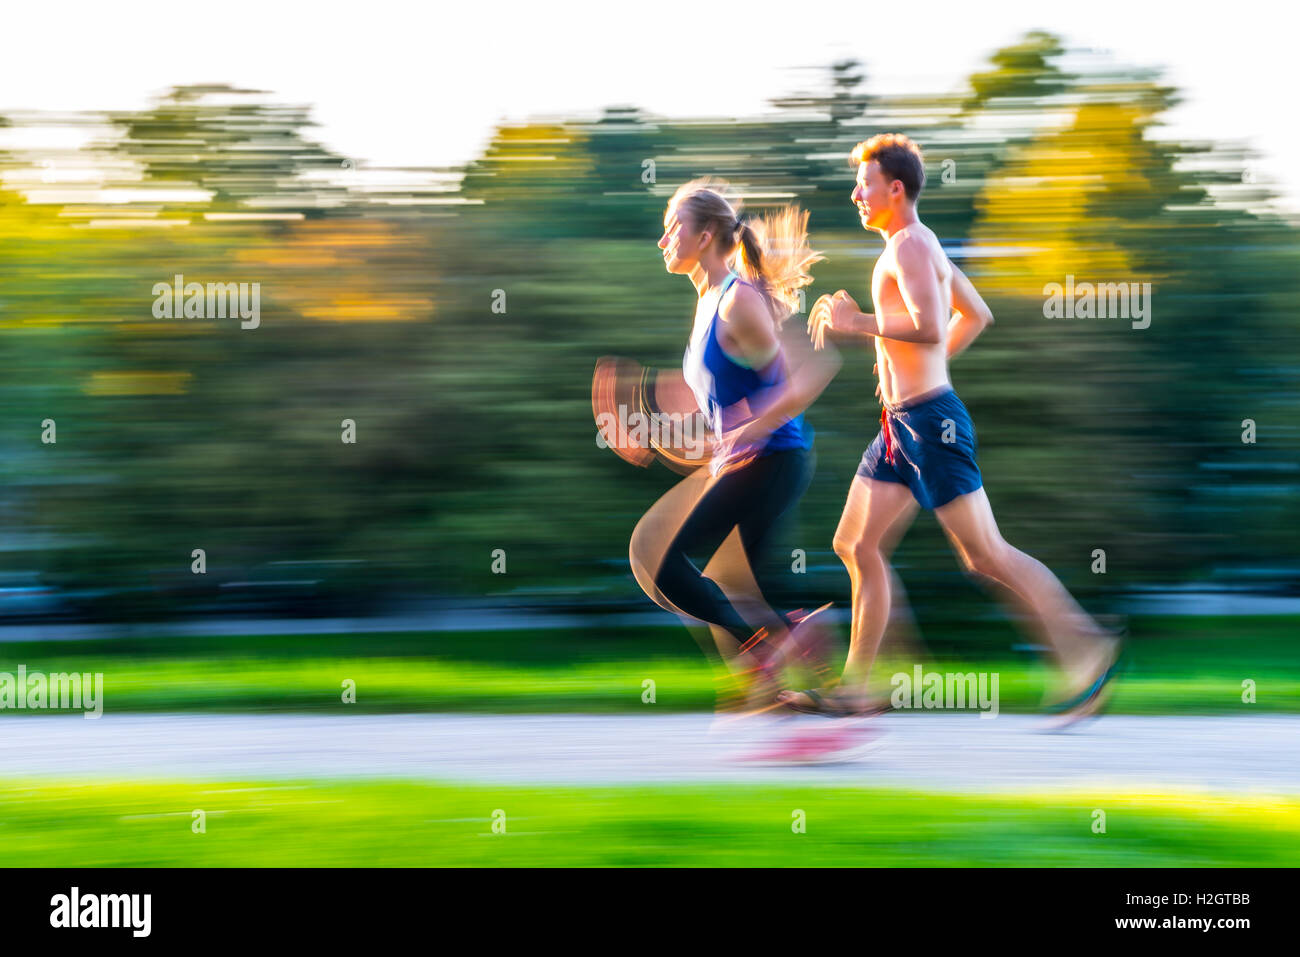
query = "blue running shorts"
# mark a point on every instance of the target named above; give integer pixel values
(927, 444)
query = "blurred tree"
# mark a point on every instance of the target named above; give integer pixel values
(459, 329)
(248, 154)
(1025, 73)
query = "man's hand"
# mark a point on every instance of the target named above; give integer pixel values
(837, 313)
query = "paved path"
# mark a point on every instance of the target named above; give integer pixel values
(929, 752)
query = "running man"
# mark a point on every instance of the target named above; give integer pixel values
(926, 312)
(747, 274)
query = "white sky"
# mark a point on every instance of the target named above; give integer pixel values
(411, 83)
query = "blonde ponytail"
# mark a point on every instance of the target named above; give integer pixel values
(775, 256)
(772, 252)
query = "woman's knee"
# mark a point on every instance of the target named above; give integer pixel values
(664, 575)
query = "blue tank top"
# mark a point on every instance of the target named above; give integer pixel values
(719, 382)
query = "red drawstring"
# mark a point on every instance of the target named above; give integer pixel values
(889, 439)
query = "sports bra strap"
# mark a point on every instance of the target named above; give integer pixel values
(732, 279)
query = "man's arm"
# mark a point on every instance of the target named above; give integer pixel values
(923, 319)
(971, 315)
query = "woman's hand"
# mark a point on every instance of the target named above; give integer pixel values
(740, 442)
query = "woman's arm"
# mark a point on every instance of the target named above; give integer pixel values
(755, 332)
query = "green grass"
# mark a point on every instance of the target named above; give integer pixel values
(400, 824)
(1179, 666)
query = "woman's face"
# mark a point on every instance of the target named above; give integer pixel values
(681, 245)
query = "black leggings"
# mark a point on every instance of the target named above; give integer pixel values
(755, 498)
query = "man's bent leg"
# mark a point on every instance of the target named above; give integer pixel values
(875, 517)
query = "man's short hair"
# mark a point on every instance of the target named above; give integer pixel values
(899, 158)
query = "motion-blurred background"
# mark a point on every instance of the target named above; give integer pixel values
(467, 550)
(454, 315)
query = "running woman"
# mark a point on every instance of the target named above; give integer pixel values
(926, 312)
(747, 274)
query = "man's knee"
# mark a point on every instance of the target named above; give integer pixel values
(986, 559)
(858, 552)
(843, 546)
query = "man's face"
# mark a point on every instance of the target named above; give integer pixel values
(871, 195)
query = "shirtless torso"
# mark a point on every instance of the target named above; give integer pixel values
(909, 369)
